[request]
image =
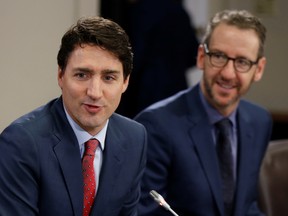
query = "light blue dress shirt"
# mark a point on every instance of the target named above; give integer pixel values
(83, 136)
(214, 116)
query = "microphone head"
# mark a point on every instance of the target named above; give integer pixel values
(159, 199)
(154, 194)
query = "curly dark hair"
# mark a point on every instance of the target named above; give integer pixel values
(100, 32)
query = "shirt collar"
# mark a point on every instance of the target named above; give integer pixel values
(213, 115)
(83, 136)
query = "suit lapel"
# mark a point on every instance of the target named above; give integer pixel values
(113, 156)
(202, 138)
(68, 154)
(245, 155)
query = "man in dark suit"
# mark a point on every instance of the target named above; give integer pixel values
(40, 153)
(186, 161)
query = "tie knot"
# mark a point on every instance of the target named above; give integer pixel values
(224, 126)
(91, 146)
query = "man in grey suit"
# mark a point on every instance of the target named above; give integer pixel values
(190, 163)
(40, 153)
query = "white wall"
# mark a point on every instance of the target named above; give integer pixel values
(30, 37)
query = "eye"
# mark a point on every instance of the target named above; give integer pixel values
(219, 56)
(109, 77)
(81, 76)
(243, 62)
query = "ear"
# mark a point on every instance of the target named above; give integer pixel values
(200, 57)
(260, 69)
(60, 77)
(125, 84)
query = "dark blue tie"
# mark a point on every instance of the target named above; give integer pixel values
(225, 158)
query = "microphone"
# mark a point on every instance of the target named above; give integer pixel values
(160, 200)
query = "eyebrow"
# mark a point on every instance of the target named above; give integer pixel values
(111, 71)
(82, 69)
(88, 70)
(237, 57)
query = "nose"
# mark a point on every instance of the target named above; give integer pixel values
(228, 71)
(94, 89)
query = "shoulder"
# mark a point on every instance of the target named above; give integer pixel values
(172, 110)
(124, 126)
(174, 103)
(35, 121)
(28, 132)
(254, 114)
(252, 108)
(124, 122)
(127, 131)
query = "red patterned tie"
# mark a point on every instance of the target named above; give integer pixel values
(89, 175)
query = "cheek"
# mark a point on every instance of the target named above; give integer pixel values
(245, 83)
(71, 90)
(111, 91)
(210, 74)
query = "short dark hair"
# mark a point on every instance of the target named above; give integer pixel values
(241, 19)
(100, 32)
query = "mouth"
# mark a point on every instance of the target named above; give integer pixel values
(226, 85)
(92, 108)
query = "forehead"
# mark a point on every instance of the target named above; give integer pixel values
(94, 56)
(228, 38)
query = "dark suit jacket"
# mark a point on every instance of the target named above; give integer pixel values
(182, 162)
(40, 166)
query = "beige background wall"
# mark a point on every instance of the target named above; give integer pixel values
(272, 90)
(31, 32)
(29, 40)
